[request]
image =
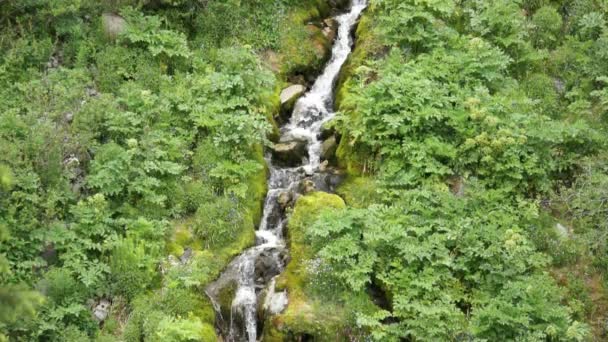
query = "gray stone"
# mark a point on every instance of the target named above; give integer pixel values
(307, 186)
(102, 310)
(284, 199)
(186, 256)
(329, 148)
(113, 25)
(289, 96)
(289, 153)
(292, 92)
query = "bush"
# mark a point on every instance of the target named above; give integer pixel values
(132, 269)
(220, 220)
(547, 25)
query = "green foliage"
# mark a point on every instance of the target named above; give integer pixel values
(499, 102)
(182, 330)
(547, 23)
(147, 32)
(442, 262)
(132, 267)
(219, 221)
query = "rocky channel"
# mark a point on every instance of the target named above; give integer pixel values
(300, 162)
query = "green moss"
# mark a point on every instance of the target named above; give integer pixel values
(208, 333)
(366, 44)
(257, 187)
(359, 192)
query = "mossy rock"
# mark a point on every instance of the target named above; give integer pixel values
(359, 192)
(305, 317)
(208, 333)
(225, 297)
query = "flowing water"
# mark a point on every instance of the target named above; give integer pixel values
(252, 273)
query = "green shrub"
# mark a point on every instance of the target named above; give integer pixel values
(132, 269)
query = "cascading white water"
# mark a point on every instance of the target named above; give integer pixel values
(310, 113)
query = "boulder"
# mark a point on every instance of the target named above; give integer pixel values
(339, 4)
(329, 148)
(327, 130)
(102, 310)
(289, 153)
(307, 186)
(267, 265)
(330, 29)
(289, 96)
(113, 25)
(284, 199)
(186, 256)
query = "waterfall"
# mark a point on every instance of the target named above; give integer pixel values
(310, 112)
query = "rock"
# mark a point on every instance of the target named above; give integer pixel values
(328, 149)
(68, 117)
(457, 186)
(186, 256)
(289, 153)
(113, 25)
(267, 266)
(284, 199)
(324, 165)
(330, 29)
(327, 130)
(307, 186)
(339, 4)
(559, 86)
(330, 22)
(102, 310)
(289, 96)
(292, 92)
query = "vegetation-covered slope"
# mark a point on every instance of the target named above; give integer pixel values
(131, 134)
(477, 126)
(472, 133)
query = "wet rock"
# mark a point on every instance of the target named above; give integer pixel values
(267, 266)
(102, 310)
(328, 149)
(285, 199)
(289, 153)
(289, 96)
(327, 130)
(339, 4)
(307, 186)
(113, 25)
(330, 27)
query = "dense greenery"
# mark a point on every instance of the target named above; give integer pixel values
(472, 135)
(130, 132)
(473, 122)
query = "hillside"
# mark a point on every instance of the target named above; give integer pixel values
(303, 170)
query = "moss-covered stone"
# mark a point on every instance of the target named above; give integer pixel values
(358, 192)
(208, 333)
(305, 317)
